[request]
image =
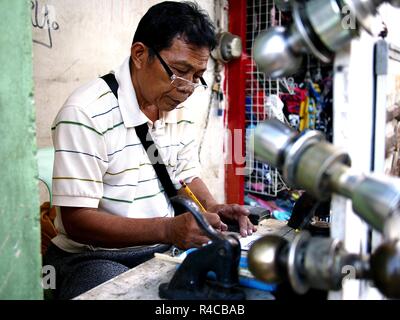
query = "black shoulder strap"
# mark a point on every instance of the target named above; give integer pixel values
(109, 78)
(155, 159)
(148, 144)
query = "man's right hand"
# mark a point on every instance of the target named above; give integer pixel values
(185, 233)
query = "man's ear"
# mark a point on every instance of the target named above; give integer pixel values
(139, 54)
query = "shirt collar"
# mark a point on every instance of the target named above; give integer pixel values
(128, 103)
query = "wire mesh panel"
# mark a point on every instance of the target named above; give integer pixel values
(260, 91)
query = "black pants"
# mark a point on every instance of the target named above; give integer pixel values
(79, 272)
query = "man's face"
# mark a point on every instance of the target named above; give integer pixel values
(184, 60)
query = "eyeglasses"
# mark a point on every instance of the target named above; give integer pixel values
(179, 82)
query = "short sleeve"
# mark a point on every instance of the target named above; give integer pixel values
(80, 159)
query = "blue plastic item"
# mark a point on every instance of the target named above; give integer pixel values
(281, 215)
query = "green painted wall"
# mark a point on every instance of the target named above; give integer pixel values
(20, 260)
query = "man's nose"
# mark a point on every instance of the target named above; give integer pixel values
(187, 90)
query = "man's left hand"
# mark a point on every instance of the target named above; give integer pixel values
(237, 213)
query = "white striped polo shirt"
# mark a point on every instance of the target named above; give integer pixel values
(100, 162)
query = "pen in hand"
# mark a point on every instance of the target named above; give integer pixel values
(191, 195)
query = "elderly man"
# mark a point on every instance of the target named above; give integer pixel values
(114, 211)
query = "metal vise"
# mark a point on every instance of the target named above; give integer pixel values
(221, 257)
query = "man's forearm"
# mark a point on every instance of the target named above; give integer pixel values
(100, 228)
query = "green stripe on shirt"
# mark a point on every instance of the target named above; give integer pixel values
(102, 95)
(129, 201)
(149, 196)
(109, 129)
(185, 121)
(188, 169)
(74, 178)
(140, 181)
(185, 145)
(118, 200)
(86, 126)
(116, 173)
(77, 124)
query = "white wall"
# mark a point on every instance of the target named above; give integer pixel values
(88, 39)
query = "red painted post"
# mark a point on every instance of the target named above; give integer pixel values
(235, 89)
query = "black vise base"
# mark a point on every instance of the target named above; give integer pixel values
(218, 260)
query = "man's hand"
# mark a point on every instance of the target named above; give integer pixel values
(237, 213)
(185, 233)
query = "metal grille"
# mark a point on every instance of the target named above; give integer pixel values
(260, 178)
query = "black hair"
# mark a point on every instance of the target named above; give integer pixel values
(167, 20)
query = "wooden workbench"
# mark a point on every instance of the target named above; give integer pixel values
(142, 282)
